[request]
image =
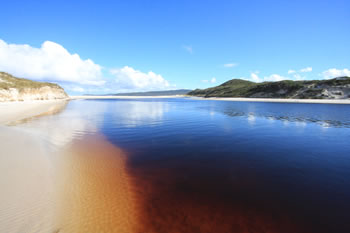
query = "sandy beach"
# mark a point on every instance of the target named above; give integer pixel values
(26, 183)
(270, 100)
(16, 111)
(26, 174)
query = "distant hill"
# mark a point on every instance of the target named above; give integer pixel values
(19, 89)
(154, 93)
(337, 88)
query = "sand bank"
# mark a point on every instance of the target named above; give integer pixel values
(26, 184)
(310, 101)
(126, 97)
(17, 111)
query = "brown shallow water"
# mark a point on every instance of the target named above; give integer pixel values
(95, 193)
(102, 190)
(176, 198)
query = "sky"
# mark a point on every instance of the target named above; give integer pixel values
(99, 47)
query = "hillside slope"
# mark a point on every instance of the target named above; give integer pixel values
(19, 89)
(337, 88)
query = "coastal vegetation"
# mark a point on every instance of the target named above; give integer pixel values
(8, 81)
(19, 89)
(337, 88)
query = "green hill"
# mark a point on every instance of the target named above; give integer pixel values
(337, 88)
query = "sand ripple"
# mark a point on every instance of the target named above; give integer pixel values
(95, 192)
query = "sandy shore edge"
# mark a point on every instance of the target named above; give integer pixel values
(26, 183)
(126, 97)
(16, 111)
(309, 101)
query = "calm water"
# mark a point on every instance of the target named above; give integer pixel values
(216, 166)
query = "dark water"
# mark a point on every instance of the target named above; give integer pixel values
(216, 166)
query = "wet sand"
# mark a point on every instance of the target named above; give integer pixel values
(26, 184)
(11, 112)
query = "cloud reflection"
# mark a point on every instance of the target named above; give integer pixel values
(298, 120)
(138, 113)
(61, 127)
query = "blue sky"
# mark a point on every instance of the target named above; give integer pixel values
(151, 45)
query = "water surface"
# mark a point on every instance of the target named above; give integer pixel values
(219, 166)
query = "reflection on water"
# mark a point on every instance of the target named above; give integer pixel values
(61, 128)
(137, 113)
(205, 166)
(298, 119)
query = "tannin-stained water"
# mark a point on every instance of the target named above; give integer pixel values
(182, 165)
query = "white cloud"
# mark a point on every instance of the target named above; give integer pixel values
(50, 62)
(255, 78)
(298, 77)
(230, 65)
(291, 71)
(128, 78)
(272, 78)
(213, 80)
(275, 77)
(307, 69)
(188, 48)
(78, 89)
(333, 73)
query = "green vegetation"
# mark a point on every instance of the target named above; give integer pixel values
(8, 81)
(333, 88)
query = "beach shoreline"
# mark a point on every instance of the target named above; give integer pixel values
(270, 100)
(21, 110)
(125, 97)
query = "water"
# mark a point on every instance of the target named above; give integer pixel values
(220, 166)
